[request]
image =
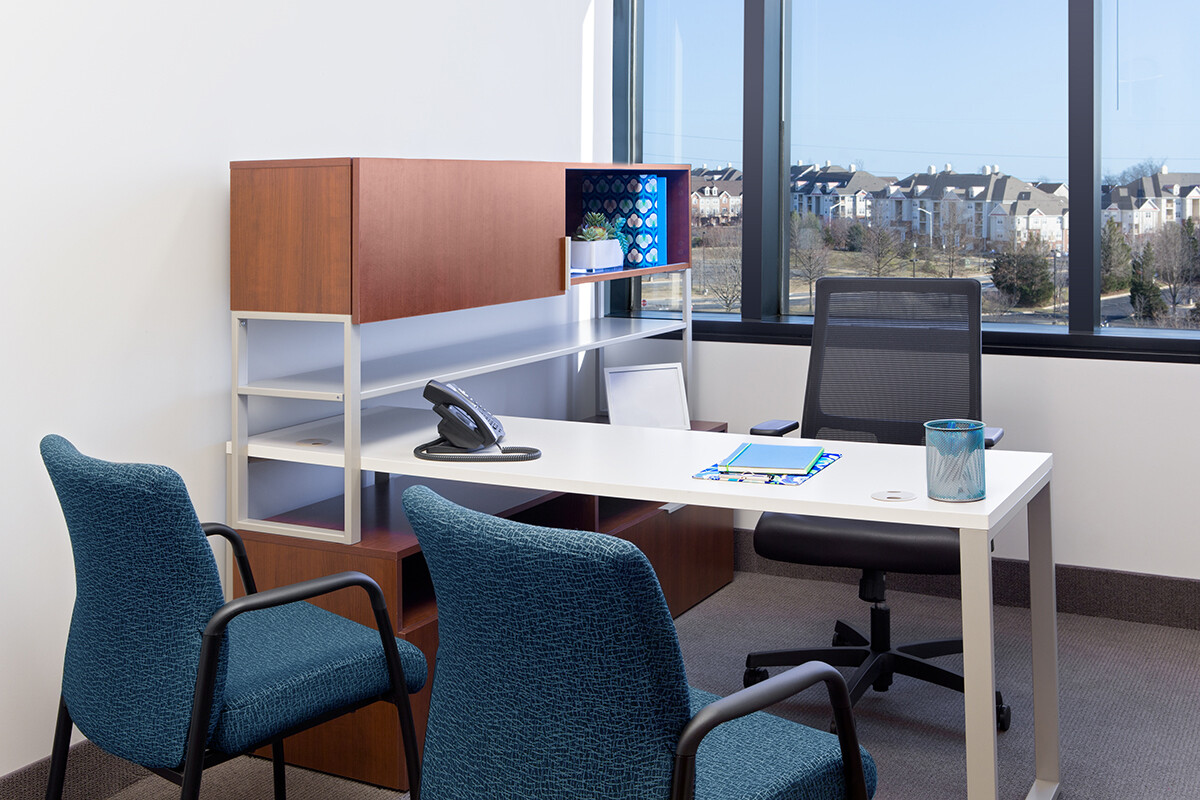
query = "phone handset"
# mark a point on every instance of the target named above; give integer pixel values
(465, 429)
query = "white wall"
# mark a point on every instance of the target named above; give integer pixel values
(1124, 438)
(119, 123)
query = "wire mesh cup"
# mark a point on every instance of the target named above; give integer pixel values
(954, 460)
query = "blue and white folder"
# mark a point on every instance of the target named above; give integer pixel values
(771, 459)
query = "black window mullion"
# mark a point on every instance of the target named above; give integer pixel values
(762, 159)
(627, 87)
(1083, 168)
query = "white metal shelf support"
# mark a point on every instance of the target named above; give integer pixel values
(350, 396)
(600, 308)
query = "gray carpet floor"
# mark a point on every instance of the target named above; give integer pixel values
(1128, 703)
(1129, 693)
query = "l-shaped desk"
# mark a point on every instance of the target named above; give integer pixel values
(658, 464)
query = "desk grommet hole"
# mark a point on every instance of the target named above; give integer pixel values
(893, 496)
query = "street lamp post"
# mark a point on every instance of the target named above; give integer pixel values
(829, 211)
(930, 213)
(930, 256)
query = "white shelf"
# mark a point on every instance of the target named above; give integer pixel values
(385, 376)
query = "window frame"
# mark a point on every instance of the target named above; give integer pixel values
(766, 121)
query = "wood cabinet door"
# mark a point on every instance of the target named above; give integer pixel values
(289, 236)
(432, 236)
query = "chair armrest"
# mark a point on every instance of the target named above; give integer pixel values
(992, 435)
(214, 634)
(239, 551)
(774, 427)
(282, 595)
(758, 697)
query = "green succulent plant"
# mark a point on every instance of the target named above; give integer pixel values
(596, 228)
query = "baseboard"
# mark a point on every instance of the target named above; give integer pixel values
(1135, 597)
(91, 773)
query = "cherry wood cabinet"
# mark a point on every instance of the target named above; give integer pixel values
(381, 238)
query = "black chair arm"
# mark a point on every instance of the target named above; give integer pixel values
(282, 595)
(760, 696)
(239, 551)
(992, 435)
(214, 633)
(774, 427)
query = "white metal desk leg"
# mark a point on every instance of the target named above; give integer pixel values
(1043, 607)
(979, 670)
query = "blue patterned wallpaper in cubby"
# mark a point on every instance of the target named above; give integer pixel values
(640, 200)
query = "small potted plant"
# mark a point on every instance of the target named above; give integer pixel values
(598, 243)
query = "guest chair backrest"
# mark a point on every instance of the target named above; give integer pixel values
(558, 671)
(146, 584)
(890, 354)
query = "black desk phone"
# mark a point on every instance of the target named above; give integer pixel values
(466, 429)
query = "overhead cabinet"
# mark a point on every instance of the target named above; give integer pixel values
(382, 238)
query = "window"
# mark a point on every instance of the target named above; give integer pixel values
(693, 115)
(1150, 158)
(919, 160)
(932, 143)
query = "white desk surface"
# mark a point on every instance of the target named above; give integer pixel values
(658, 464)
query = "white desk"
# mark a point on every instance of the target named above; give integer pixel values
(657, 464)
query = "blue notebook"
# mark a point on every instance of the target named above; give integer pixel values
(772, 459)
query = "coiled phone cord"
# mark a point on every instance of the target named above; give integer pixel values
(513, 453)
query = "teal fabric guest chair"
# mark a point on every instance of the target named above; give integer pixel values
(559, 676)
(161, 671)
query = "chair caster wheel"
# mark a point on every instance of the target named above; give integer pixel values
(1003, 717)
(753, 675)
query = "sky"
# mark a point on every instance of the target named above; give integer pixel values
(895, 87)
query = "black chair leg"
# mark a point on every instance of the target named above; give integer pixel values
(408, 735)
(58, 752)
(932, 649)
(277, 769)
(846, 634)
(834, 656)
(930, 673)
(190, 785)
(877, 665)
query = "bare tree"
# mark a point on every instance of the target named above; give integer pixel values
(957, 235)
(880, 252)
(1143, 169)
(808, 257)
(1172, 262)
(718, 255)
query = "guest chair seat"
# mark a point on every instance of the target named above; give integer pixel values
(161, 671)
(559, 676)
(291, 663)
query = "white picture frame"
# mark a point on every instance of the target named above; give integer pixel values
(649, 395)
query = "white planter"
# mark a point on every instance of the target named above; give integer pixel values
(603, 254)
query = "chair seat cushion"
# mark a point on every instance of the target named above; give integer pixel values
(765, 757)
(292, 663)
(830, 542)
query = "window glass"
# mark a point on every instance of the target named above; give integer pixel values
(941, 151)
(692, 114)
(1150, 164)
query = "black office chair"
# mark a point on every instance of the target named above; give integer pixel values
(888, 355)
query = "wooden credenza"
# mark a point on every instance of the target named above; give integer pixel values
(691, 549)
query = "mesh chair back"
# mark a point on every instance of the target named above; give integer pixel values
(558, 671)
(890, 354)
(146, 585)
